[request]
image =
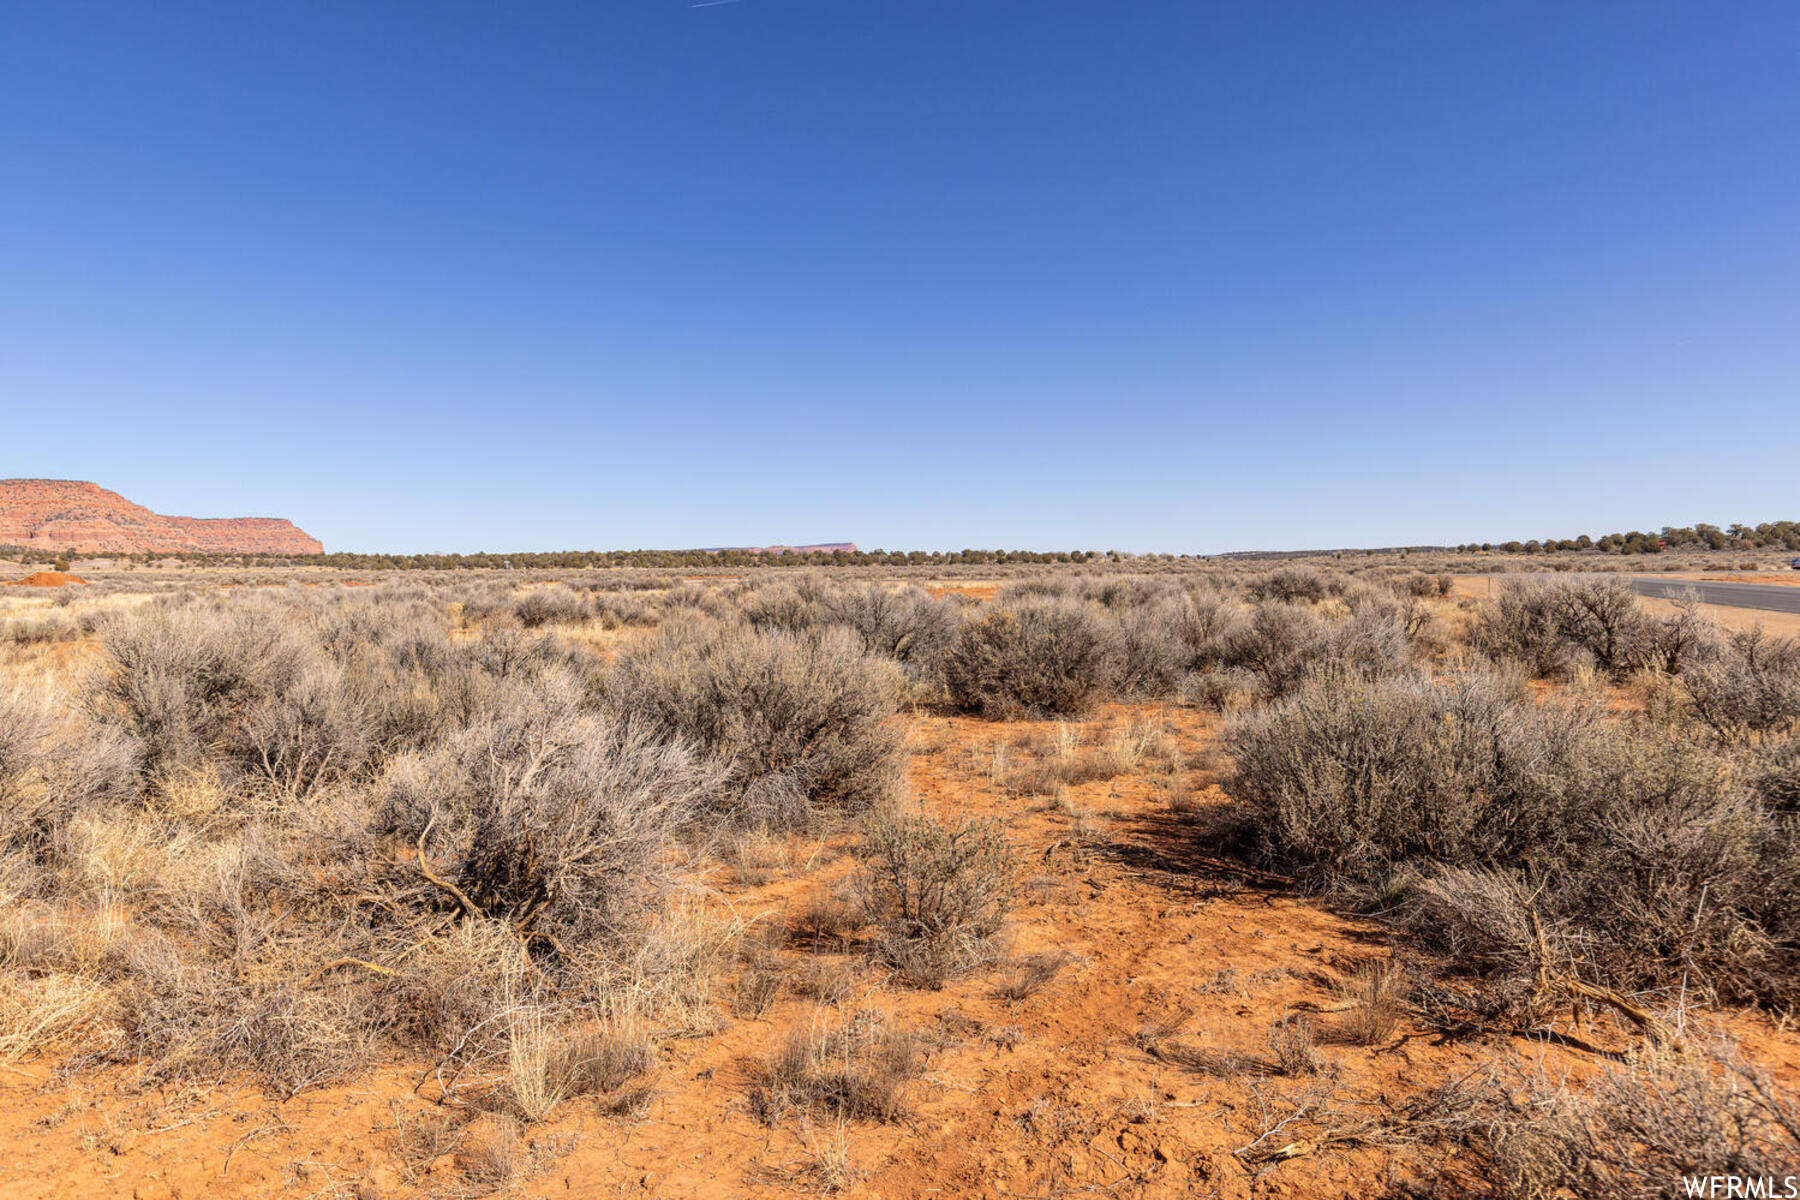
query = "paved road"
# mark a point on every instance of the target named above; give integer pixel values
(1771, 597)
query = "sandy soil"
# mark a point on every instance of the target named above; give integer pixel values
(1046, 1096)
(47, 579)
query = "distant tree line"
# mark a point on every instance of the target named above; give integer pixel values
(1772, 535)
(567, 560)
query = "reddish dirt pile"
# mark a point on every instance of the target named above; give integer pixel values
(47, 579)
(64, 514)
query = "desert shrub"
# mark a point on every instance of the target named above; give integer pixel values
(1641, 852)
(1206, 622)
(615, 611)
(548, 816)
(1277, 644)
(180, 681)
(1550, 627)
(1352, 775)
(1221, 691)
(1521, 626)
(1776, 778)
(938, 892)
(782, 607)
(1293, 584)
(242, 689)
(1044, 658)
(1152, 652)
(188, 1015)
(51, 770)
(803, 720)
(1644, 1127)
(42, 628)
(1670, 644)
(543, 605)
(906, 624)
(1285, 643)
(1746, 685)
(1602, 617)
(25, 731)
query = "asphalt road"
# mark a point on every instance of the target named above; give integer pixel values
(1770, 597)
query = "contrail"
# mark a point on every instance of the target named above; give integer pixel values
(711, 3)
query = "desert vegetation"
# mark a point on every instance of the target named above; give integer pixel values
(826, 860)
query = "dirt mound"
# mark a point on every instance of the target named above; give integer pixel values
(47, 579)
(66, 514)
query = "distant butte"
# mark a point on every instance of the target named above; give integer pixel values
(816, 548)
(66, 514)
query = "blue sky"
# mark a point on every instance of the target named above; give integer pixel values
(1145, 274)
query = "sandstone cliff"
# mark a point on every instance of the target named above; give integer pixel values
(65, 514)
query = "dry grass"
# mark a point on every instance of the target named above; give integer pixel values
(1294, 1043)
(856, 1071)
(1378, 992)
(759, 986)
(422, 1140)
(830, 916)
(1026, 977)
(490, 1159)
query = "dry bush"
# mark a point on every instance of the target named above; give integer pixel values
(1645, 1127)
(1551, 627)
(1284, 644)
(1602, 617)
(1153, 653)
(293, 694)
(939, 892)
(1670, 644)
(856, 1071)
(184, 681)
(1777, 777)
(1521, 625)
(1350, 776)
(38, 629)
(1291, 584)
(1647, 856)
(1745, 686)
(804, 720)
(1041, 658)
(1226, 691)
(556, 603)
(906, 624)
(548, 816)
(26, 729)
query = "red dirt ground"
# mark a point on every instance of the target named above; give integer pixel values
(47, 579)
(1041, 1097)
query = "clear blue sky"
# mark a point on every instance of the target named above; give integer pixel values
(1145, 274)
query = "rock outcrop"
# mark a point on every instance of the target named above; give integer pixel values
(815, 548)
(65, 514)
